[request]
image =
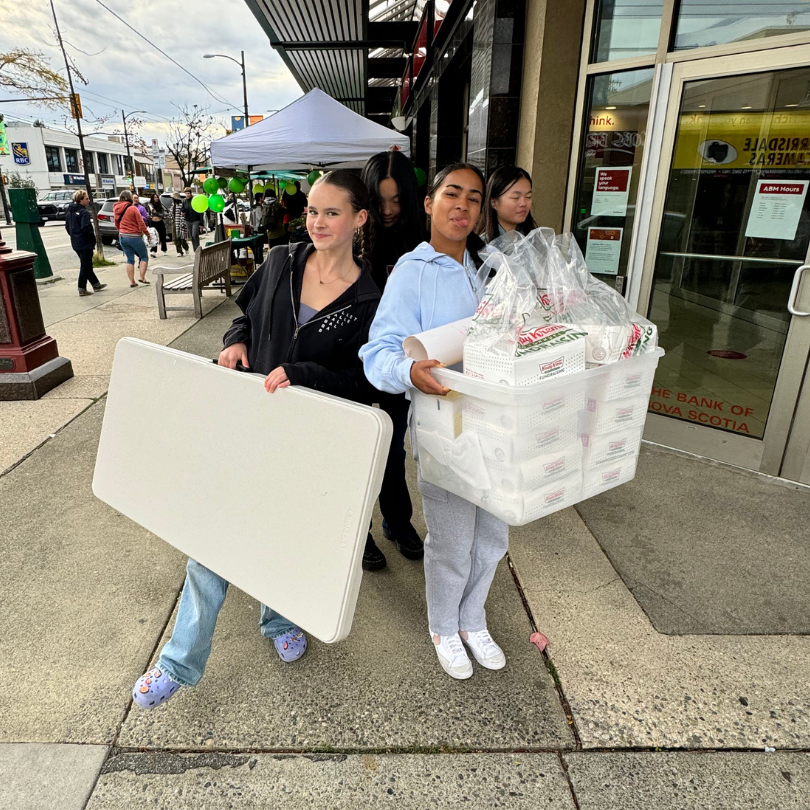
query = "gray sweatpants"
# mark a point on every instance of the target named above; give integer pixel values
(463, 547)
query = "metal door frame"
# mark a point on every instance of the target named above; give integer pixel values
(789, 414)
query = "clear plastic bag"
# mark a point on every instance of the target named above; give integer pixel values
(567, 293)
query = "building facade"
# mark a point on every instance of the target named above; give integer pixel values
(52, 159)
(671, 137)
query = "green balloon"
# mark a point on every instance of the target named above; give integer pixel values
(199, 203)
(236, 185)
(210, 185)
(222, 182)
(216, 202)
(421, 177)
(258, 190)
(290, 186)
(312, 177)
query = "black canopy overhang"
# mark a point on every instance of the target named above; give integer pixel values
(326, 44)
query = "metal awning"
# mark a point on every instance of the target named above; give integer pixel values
(327, 44)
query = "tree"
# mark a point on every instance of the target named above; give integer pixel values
(16, 180)
(189, 139)
(27, 72)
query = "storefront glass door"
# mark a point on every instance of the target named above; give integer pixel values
(731, 231)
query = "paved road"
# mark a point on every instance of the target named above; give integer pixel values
(64, 261)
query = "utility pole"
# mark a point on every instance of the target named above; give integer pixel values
(129, 154)
(247, 124)
(75, 109)
(3, 189)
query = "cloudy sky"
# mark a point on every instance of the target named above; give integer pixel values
(124, 71)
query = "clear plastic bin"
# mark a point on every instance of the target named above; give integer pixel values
(540, 459)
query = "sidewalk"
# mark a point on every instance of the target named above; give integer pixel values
(675, 606)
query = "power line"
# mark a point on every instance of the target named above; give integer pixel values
(220, 99)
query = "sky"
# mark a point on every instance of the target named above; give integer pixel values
(123, 71)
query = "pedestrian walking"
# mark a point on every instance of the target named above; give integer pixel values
(179, 228)
(79, 224)
(136, 201)
(398, 226)
(434, 285)
(131, 230)
(507, 205)
(157, 216)
(193, 220)
(306, 313)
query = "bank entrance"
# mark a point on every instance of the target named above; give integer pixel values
(690, 193)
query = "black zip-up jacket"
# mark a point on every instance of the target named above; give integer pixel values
(321, 354)
(79, 224)
(189, 213)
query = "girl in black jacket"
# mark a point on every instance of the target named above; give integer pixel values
(397, 225)
(306, 312)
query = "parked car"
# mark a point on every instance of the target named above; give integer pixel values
(53, 205)
(106, 223)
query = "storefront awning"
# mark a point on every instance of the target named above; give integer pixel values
(338, 45)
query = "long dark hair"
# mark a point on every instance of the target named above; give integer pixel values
(500, 181)
(349, 181)
(409, 230)
(155, 201)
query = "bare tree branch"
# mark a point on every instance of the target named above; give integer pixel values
(27, 72)
(189, 139)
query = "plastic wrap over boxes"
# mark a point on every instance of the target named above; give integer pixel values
(544, 446)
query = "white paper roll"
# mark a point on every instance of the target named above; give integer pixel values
(444, 343)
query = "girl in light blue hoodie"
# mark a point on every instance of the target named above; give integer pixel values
(436, 284)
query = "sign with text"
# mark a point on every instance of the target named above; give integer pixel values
(610, 191)
(20, 152)
(74, 179)
(237, 122)
(776, 209)
(603, 250)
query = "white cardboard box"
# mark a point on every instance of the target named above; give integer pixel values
(541, 354)
(598, 449)
(537, 472)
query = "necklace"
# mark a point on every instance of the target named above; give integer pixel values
(327, 283)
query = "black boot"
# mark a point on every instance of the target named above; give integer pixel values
(373, 558)
(407, 540)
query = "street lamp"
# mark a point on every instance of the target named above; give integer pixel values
(244, 80)
(124, 117)
(244, 91)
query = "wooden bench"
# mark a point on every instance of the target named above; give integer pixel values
(210, 263)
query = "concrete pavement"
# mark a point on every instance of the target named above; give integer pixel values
(622, 711)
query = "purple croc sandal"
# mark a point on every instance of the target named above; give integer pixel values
(153, 688)
(291, 646)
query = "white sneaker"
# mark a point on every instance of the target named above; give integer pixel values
(485, 650)
(453, 656)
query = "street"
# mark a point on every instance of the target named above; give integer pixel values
(63, 259)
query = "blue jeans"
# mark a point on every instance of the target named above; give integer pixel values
(132, 245)
(186, 653)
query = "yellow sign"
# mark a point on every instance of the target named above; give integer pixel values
(75, 106)
(743, 141)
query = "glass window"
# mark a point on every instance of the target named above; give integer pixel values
(103, 166)
(52, 158)
(736, 225)
(609, 168)
(701, 23)
(91, 169)
(71, 161)
(119, 164)
(625, 28)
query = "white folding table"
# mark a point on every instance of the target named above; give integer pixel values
(273, 492)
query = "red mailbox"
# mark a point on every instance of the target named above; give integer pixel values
(30, 364)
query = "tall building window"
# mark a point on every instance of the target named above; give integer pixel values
(91, 169)
(53, 159)
(119, 164)
(71, 161)
(103, 165)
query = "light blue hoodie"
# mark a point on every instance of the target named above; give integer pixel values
(426, 289)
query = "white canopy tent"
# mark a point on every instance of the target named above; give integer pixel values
(314, 132)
